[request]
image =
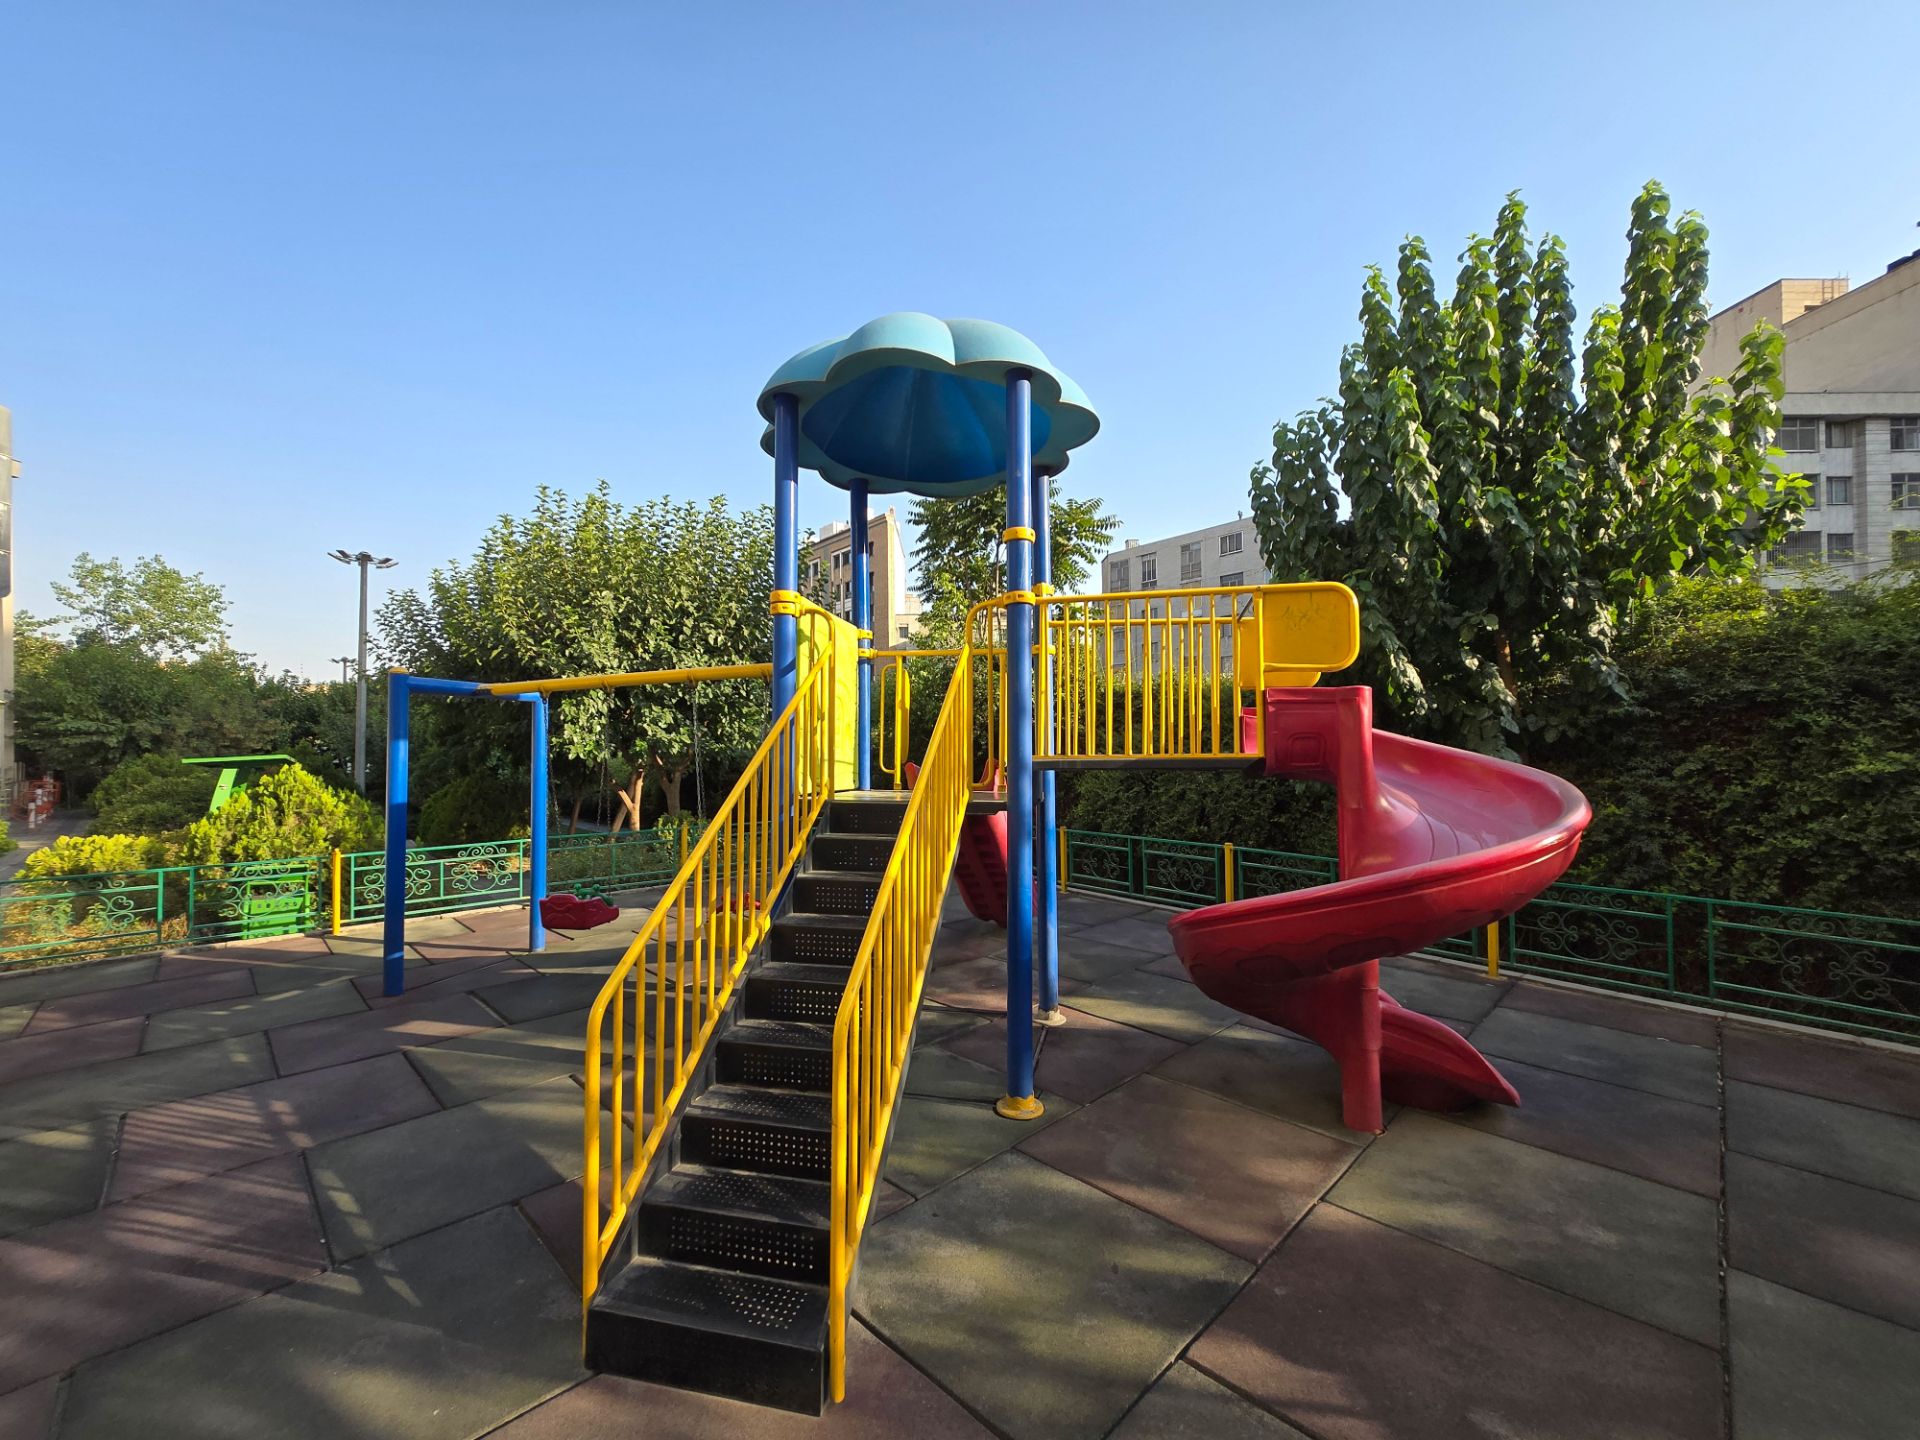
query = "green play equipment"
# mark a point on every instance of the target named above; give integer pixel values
(236, 773)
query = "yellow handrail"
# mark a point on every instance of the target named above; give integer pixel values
(873, 1029)
(715, 911)
(902, 710)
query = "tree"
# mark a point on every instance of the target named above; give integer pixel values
(153, 608)
(1500, 519)
(960, 558)
(586, 586)
(284, 814)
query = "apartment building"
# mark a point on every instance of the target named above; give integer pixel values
(1850, 418)
(1225, 554)
(9, 472)
(828, 561)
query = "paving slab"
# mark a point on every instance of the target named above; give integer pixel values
(1143, 930)
(1431, 990)
(134, 1000)
(100, 1281)
(112, 1087)
(1174, 1008)
(35, 1054)
(380, 1188)
(1234, 1178)
(1187, 1405)
(1615, 1012)
(1844, 1243)
(1845, 1070)
(14, 1018)
(1672, 1141)
(1644, 1250)
(426, 1021)
(28, 1413)
(936, 1071)
(1095, 1297)
(494, 1061)
(555, 1216)
(53, 1174)
(934, 1140)
(887, 1399)
(1086, 959)
(455, 977)
(52, 982)
(250, 1014)
(437, 1339)
(1268, 1071)
(298, 973)
(1868, 1147)
(538, 997)
(954, 946)
(1088, 910)
(1355, 1331)
(1804, 1368)
(1640, 1062)
(1082, 1059)
(938, 1023)
(208, 1134)
(977, 985)
(887, 1198)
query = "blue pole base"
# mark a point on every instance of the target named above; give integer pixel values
(1052, 1019)
(1019, 1107)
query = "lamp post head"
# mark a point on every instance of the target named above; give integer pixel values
(363, 557)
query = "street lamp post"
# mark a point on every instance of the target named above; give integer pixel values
(343, 661)
(366, 560)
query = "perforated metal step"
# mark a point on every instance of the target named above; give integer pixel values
(836, 892)
(783, 1053)
(777, 1132)
(879, 814)
(750, 1337)
(779, 991)
(817, 939)
(850, 852)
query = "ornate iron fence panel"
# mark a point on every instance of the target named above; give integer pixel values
(1183, 872)
(1272, 872)
(1858, 972)
(246, 900)
(1096, 861)
(1621, 939)
(601, 865)
(440, 878)
(77, 917)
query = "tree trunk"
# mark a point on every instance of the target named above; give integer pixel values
(629, 804)
(670, 790)
(573, 823)
(1503, 659)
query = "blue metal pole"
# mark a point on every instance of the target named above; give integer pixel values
(786, 549)
(1046, 853)
(863, 620)
(393, 913)
(537, 827)
(1019, 1102)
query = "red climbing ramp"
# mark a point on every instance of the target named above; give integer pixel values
(1434, 842)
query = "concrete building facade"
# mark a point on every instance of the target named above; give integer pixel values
(828, 563)
(1223, 554)
(1850, 417)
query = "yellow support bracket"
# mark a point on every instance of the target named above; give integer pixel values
(1017, 532)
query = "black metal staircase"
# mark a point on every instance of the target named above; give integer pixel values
(718, 1282)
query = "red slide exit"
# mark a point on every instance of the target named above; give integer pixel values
(1434, 842)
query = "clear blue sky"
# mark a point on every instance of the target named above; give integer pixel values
(279, 278)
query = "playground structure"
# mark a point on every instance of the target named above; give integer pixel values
(744, 1059)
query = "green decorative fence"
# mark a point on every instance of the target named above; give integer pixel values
(1836, 969)
(79, 917)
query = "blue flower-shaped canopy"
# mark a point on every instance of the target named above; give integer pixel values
(917, 404)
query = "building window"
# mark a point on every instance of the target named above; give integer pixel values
(1119, 574)
(1190, 562)
(904, 634)
(1149, 571)
(1839, 489)
(1799, 433)
(1813, 491)
(1906, 491)
(1800, 546)
(1906, 545)
(1230, 544)
(1839, 434)
(1905, 432)
(1235, 577)
(1840, 546)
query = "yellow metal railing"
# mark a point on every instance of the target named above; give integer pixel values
(891, 739)
(873, 1029)
(653, 1018)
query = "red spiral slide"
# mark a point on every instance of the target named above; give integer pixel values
(1434, 842)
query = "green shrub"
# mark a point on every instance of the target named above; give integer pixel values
(287, 813)
(152, 794)
(476, 807)
(97, 855)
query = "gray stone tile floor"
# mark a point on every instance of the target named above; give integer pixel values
(242, 1195)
